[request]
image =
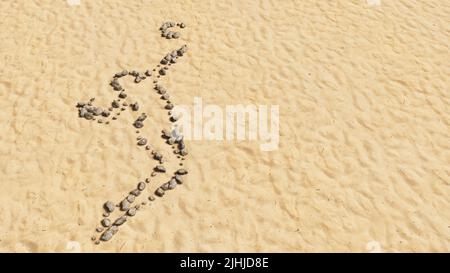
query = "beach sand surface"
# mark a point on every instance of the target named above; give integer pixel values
(363, 162)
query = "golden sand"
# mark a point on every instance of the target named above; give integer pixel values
(364, 156)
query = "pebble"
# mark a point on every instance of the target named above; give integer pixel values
(138, 124)
(88, 116)
(122, 95)
(160, 168)
(135, 192)
(109, 206)
(147, 180)
(181, 171)
(141, 186)
(142, 142)
(183, 152)
(120, 220)
(182, 25)
(165, 186)
(115, 104)
(130, 198)
(181, 145)
(157, 156)
(169, 106)
(80, 104)
(134, 106)
(131, 212)
(99, 229)
(151, 198)
(166, 96)
(93, 238)
(142, 117)
(176, 35)
(134, 73)
(172, 184)
(114, 229)
(106, 214)
(159, 192)
(124, 205)
(162, 72)
(171, 140)
(105, 113)
(148, 73)
(106, 222)
(107, 235)
(179, 179)
(166, 133)
(138, 79)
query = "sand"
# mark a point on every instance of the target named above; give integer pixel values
(363, 162)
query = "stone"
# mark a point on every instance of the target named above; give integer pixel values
(157, 156)
(124, 205)
(148, 73)
(159, 192)
(141, 186)
(135, 192)
(109, 206)
(138, 124)
(131, 212)
(122, 95)
(172, 184)
(120, 220)
(165, 96)
(115, 104)
(107, 235)
(181, 172)
(162, 72)
(151, 198)
(134, 106)
(99, 229)
(142, 142)
(106, 113)
(169, 106)
(88, 116)
(165, 186)
(106, 222)
(130, 198)
(160, 168)
(179, 179)
(114, 229)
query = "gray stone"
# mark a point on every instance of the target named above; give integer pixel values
(135, 192)
(109, 206)
(141, 186)
(134, 106)
(159, 192)
(138, 124)
(124, 205)
(107, 235)
(142, 142)
(131, 212)
(181, 171)
(172, 184)
(120, 220)
(179, 179)
(115, 104)
(130, 198)
(160, 168)
(106, 222)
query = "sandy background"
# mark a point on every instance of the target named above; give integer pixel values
(364, 156)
